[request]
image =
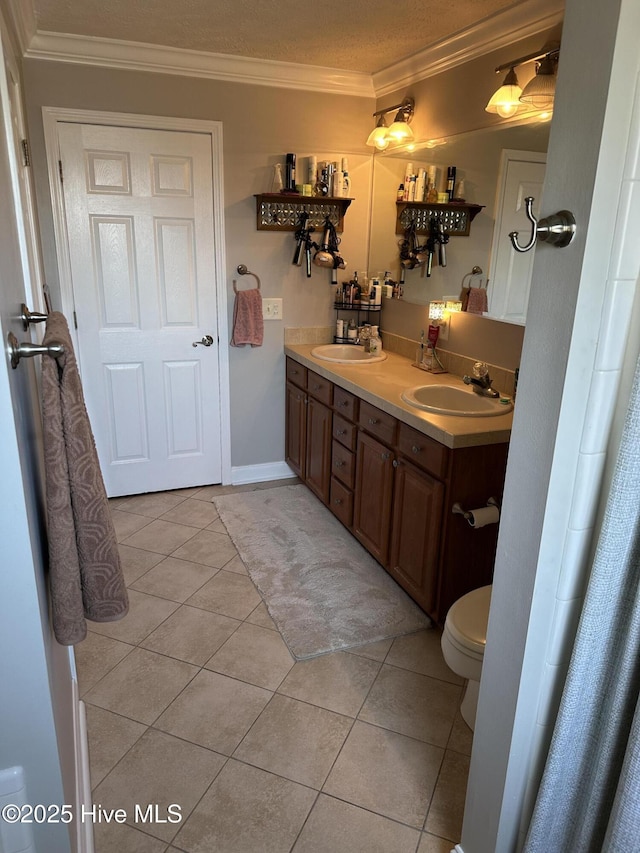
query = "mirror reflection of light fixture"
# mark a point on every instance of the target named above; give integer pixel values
(539, 92)
(399, 132)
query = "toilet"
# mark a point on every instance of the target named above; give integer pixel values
(463, 641)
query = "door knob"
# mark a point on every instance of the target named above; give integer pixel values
(207, 341)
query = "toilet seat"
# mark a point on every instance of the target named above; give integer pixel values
(467, 621)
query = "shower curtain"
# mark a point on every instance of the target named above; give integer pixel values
(589, 798)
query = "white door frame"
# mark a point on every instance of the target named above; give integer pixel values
(50, 117)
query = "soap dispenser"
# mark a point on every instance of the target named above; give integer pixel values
(375, 344)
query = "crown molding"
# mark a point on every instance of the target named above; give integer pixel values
(139, 56)
(498, 31)
(22, 20)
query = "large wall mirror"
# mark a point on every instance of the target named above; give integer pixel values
(477, 156)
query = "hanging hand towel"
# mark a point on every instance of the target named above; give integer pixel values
(477, 300)
(248, 325)
(85, 574)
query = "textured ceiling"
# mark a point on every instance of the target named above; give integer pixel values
(356, 35)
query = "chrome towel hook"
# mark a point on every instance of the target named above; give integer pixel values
(558, 229)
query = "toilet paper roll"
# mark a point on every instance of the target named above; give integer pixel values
(483, 516)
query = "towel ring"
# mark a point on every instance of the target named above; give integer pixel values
(476, 271)
(242, 270)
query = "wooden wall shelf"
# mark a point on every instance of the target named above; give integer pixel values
(281, 212)
(455, 217)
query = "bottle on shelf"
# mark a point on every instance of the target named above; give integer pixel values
(451, 181)
(322, 184)
(352, 331)
(346, 180)
(277, 182)
(290, 183)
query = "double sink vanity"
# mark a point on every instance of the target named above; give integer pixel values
(391, 450)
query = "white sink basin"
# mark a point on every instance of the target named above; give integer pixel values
(346, 354)
(452, 400)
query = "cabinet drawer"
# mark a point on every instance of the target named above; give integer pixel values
(296, 373)
(423, 451)
(343, 464)
(344, 432)
(345, 403)
(377, 423)
(319, 388)
(341, 502)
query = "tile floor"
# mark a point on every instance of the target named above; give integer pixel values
(194, 699)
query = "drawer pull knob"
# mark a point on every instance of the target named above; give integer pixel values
(395, 463)
(342, 403)
(338, 501)
(373, 421)
(341, 432)
(316, 387)
(339, 463)
(416, 449)
(385, 455)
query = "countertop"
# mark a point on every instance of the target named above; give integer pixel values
(382, 384)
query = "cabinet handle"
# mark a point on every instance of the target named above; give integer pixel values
(343, 404)
(373, 421)
(416, 449)
(339, 463)
(341, 432)
(338, 501)
(385, 455)
(316, 387)
(395, 463)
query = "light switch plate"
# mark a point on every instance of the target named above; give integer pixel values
(272, 309)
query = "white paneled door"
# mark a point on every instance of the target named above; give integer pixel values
(139, 218)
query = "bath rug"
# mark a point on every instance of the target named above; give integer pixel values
(323, 590)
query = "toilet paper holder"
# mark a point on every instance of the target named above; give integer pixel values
(457, 509)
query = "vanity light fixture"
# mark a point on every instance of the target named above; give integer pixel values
(539, 92)
(399, 132)
(436, 310)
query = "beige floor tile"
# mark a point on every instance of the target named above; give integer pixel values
(260, 616)
(421, 652)
(110, 737)
(187, 493)
(412, 704)
(191, 634)
(153, 504)
(386, 773)
(247, 810)
(229, 594)
(217, 526)
(373, 651)
(174, 579)
(120, 838)
(163, 537)
(212, 549)
(295, 740)
(336, 826)
(432, 844)
(447, 807)
(146, 612)
(339, 682)
(461, 738)
(214, 711)
(236, 566)
(210, 492)
(142, 685)
(254, 654)
(114, 503)
(126, 523)
(159, 770)
(136, 563)
(194, 513)
(95, 657)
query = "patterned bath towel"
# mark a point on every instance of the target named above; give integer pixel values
(85, 574)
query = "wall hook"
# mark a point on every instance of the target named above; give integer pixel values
(558, 229)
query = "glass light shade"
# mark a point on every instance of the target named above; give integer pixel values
(505, 101)
(436, 310)
(378, 137)
(540, 91)
(453, 307)
(400, 131)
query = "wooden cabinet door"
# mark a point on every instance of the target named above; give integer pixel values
(415, 544)
(373, 494)
(295, 429)
(318, 452)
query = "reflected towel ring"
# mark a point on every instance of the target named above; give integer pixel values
(244, 271)
(476, 272)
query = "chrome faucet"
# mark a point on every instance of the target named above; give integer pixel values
(481, 381)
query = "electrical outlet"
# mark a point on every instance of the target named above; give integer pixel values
(272, 309)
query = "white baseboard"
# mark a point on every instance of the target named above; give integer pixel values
(242, 474)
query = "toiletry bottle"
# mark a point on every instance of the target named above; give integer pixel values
(352, 331)
(400, 193)
(375, 344)
(339, 328)
(451, 181)
(337, 183)
(312, 174)
(322, 185)
(277, 183)
(346, 180)
(290, 172)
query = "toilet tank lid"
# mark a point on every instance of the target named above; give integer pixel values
(468, 618)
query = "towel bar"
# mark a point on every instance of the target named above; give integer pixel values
(28, 350)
